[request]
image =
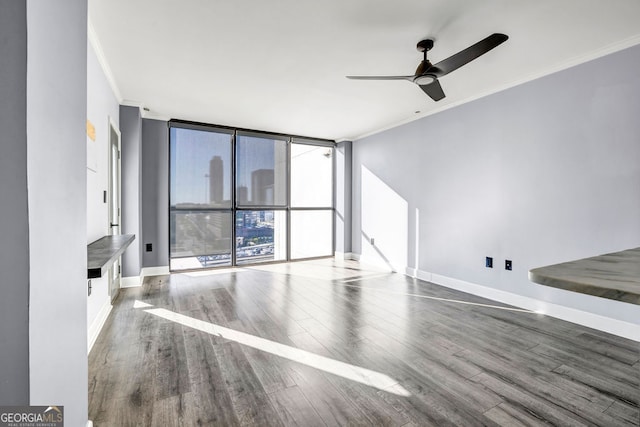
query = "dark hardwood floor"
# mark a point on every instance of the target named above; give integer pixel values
(330, 343)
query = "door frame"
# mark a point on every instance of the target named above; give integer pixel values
(114, 225)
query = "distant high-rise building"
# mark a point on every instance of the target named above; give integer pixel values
(249, 219)
(216, 179)
(262, 187)
(242, 195)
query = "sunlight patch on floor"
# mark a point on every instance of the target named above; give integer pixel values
(324, 269)
(140, 304)
(368, 277)
(212, 272)
(521, 310)
(332, 366)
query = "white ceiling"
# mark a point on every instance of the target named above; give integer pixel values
(280, 65)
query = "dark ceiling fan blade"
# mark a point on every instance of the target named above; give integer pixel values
(410, 78)
(434, 90)
(467, 55)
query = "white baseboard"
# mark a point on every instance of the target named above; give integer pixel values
(591, 320)
(154, 271)
(97, 324)
(130, 282)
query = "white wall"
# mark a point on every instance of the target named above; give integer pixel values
(542, 173)
(102, 106)
(57, 180)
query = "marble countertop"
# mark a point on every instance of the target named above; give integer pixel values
(103, 252)
(614, 276)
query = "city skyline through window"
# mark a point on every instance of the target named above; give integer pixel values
(200, 168)
(261, 172)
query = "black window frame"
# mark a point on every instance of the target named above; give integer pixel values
(289, 139)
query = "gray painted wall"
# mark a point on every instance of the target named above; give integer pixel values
(545, 172)
(343, 197)
(131, 146)
(155, 192)
(57, 182)
(14, 227)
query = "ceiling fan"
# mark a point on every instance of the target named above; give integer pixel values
(427, 74)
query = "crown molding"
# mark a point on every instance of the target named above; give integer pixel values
(102, 60)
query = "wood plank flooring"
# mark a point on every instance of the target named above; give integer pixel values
(326, 343)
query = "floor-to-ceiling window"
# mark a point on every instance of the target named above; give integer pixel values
(261, 198)
(201, 214)
(239, 197)
(311, 200)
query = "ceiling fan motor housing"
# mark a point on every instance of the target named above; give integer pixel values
(423, 67)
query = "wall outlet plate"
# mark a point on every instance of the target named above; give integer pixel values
(508, 265)
(488, 262)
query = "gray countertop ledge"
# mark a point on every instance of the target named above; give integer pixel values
(614, 276)
(102, 253)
